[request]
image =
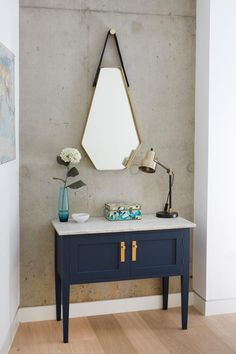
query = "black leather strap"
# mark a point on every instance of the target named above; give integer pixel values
(120, 57)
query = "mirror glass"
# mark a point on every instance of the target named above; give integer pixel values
(111, 137)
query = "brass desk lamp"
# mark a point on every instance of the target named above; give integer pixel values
(148, 165)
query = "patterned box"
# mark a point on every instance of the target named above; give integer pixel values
(120, 211)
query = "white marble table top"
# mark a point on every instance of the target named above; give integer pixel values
(97, 225)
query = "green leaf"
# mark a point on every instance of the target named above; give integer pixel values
(59, 179)
(61, 162)
(76, 185)
(72, 172)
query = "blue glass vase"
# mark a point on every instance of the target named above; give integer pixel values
(63, 204)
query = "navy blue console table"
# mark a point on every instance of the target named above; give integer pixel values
(102, 251)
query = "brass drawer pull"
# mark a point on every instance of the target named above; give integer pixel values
(122, 251)
(134, 251)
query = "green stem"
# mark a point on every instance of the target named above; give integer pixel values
(66, 175)
(59, 179)
(64, 190)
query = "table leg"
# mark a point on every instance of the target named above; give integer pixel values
(185, 280)
(65, 304)
(184, 300)
(165, 290)
(57, 284)
(58, 296)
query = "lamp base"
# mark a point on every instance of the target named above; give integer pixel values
(166, 214)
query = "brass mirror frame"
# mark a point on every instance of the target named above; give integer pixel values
(127, 161)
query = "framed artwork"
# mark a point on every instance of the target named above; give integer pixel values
(7, 105)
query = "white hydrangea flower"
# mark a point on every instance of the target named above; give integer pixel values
(70, 155)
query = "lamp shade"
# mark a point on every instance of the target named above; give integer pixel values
(149, 164)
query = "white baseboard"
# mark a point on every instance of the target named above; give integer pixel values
(93, 308)
(199, 303)
(10, 336)
(104, 307)
(214, 307)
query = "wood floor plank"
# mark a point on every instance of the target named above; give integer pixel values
(111, 336)
(198, 339)
(139, 334)
(91, 346)
(46, 338)
(147, 332)
(225, 328)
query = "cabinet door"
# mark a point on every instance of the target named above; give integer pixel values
(158, 253)
(98, 258)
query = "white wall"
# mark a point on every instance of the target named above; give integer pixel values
(201, 145)
(222, 152)
(215, 162)
(9, 194)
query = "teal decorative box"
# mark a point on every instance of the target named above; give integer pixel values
(123, 211)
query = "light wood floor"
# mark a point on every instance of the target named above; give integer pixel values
(147, 332)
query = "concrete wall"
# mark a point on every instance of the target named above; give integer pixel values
(9, 194)
(60, 46)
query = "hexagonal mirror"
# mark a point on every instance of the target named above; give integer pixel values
(111, 137)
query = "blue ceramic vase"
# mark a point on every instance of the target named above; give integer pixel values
(63, 204)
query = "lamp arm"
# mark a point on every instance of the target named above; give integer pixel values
(170, 191)
(168, 205)
(168, 170)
